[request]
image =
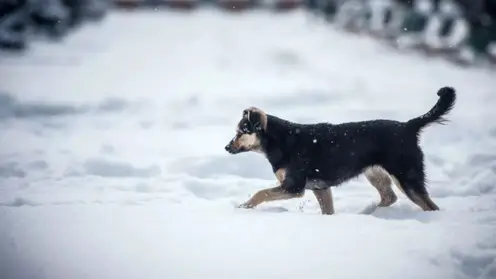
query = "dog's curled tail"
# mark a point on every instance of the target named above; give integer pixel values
(444, 105)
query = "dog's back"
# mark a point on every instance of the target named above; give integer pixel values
(336, 153)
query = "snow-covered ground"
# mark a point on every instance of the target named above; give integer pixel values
(112, 162)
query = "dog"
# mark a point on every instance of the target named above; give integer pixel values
(320, 156)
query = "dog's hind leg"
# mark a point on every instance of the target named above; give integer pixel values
(416, 192)
(409, 177)
(324, 197)
(381, 181)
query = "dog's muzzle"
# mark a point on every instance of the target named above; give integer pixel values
(229, 148)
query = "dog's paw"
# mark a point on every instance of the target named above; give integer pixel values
(245, 205)
(275, 209)
(369, 209)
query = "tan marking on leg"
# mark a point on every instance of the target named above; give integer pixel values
(270, 194)
(324, 197)
(417, 200)
(423, 201)
(281, 174)
(379, 178)
(427, 199)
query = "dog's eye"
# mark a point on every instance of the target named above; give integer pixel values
(245, 128)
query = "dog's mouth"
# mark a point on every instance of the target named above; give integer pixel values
(234, 151)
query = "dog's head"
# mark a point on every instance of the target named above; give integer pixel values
(248, 131)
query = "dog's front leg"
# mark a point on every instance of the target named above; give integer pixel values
(292, 185)
(270, 194)
(324, 197)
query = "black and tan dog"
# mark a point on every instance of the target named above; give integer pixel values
(319, 156)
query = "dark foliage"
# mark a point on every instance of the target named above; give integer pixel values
(21, 21)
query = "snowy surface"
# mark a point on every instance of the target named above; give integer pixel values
(112, 162)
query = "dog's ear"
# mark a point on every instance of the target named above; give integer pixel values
(246, 114)
(256, 117)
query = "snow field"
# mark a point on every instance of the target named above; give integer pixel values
(112, 162)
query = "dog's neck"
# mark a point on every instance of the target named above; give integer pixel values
(277, 126)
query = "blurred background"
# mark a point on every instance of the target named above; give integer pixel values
(461, 31)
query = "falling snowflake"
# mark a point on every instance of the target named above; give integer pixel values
(314, 140)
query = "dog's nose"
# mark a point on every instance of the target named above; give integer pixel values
(228, 147)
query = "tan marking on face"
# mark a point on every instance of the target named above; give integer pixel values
(247, 141)
(324, 197)
(281, 174)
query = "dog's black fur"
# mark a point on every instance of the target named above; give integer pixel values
(330, 154)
